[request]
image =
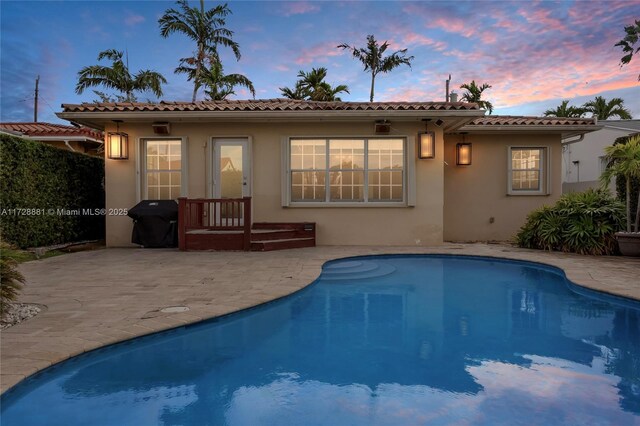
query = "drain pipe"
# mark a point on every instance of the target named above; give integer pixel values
(69, 146)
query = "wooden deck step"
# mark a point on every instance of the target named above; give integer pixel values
(282, 244)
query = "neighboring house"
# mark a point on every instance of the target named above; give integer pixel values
(323, 162)
(583, 158)
(72, 138)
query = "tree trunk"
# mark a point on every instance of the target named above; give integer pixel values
(199, 61)
(373, 82)
(637, 222)
(628, 204)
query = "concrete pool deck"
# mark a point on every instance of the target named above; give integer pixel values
(95, 298)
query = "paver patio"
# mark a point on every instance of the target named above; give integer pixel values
(99, 297)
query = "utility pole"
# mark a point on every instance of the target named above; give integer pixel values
(35, 105)
(446, 98)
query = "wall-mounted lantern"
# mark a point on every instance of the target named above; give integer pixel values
(426, 143)
(118, 143)
(463, 154)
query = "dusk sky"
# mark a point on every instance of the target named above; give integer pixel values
(534, 54)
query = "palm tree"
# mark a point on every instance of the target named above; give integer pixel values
(603, 109)
(473, 94)
(624, 161)
(117, 77)
(631, 38)
(372, 59)
(311, 86)
(296, 93)
(217, 85)
(564, 110)
(206, 28)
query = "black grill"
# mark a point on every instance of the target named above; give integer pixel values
(155, 223)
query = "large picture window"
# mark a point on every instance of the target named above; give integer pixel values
(356, 170)
(162, 169)
(527, 171)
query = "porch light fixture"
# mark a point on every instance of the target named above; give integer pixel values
(118, 143)
(426, 143)
(463, 153)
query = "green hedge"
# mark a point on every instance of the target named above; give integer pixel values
(47, 180)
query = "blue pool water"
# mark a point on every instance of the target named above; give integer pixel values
(389, 340)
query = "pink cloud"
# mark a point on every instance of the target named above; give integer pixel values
(544, 21)
(421, 40)
(282, 67)
(318, 53)
(299, 8)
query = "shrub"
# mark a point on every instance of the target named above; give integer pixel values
(11, 280)
(38, 176)
(579, 222)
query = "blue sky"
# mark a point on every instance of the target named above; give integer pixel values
(534, 54)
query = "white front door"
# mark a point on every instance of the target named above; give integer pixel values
(231, 168)
(231, 177)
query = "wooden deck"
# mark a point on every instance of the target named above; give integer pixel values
(225, 224)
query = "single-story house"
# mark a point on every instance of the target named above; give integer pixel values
(72, 138)
(583, 157)
(366, 173)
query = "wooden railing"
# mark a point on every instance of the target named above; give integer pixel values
(214, 214)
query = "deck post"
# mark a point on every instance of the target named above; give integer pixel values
(247, 223)
(182, 235)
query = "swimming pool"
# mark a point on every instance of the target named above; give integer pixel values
(379, 340)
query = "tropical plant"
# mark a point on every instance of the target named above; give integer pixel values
(297, 93)
(623, 161)
(621, 187)
(579, 222)
(311, 86)
(117, 77)
(206, 28)
(602, 109)
(473, 94)
(564, 110)
(11, 280)
(217, 85)
(627, 43)
(373, 60)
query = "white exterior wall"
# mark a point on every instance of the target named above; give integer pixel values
(588, 153)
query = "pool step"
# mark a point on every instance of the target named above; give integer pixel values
(356, 270)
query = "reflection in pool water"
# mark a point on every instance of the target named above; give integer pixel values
(376, 341)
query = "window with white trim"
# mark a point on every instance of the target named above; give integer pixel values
(162, 169)
(527, 170)
(339, 170)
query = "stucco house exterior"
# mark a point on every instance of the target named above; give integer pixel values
(332, 164)
(583, 157)
(72, 138)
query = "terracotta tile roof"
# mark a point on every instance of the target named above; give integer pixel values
(508, 120)
(269, 105)
(52, 130)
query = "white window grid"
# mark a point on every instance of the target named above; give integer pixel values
(324, 188)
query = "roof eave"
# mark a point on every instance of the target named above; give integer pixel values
(564, 130)
(97, 119)
(63, 138)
